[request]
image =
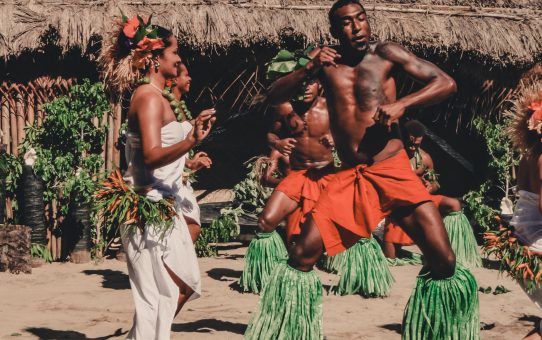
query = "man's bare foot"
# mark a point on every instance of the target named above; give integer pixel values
(533, 335)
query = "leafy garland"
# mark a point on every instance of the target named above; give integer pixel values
(520, 263)
(121, 205)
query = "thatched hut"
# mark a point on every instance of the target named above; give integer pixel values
(487, 45)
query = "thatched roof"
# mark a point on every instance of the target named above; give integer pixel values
(502, 31)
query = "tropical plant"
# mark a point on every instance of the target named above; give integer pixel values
(484, 202)
(249, 200)
(68, 147)
(69, 144)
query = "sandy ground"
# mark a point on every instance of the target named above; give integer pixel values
(93, 301)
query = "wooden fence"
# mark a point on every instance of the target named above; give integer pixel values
(21, 105)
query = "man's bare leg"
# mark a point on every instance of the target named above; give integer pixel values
(276, 209)
(390, 249)
(423, 224)
(448, 205)
(308, 247)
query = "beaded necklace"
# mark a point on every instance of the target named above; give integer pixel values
(179, 107)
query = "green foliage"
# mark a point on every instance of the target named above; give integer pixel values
(68, 145)
(41, 251)
(250, 197)
(11, 169)
(484, 203)
(222, 229)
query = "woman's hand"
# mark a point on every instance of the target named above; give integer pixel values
(199, 161)
(203, 124)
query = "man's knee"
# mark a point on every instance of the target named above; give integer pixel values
(445, 267)
(302, 259)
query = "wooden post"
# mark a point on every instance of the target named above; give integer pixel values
(30, 108)
(110, 145)
(6, 138)
(21, 117)
(117, 121)
(104, 149)
(13, 126)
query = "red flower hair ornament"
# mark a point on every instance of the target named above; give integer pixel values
(535, 121)
(141, 38)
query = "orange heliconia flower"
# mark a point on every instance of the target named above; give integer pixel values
(147, 44)
(535, 121)
(130, 27)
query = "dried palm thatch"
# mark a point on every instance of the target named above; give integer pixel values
(511, 33)
(523, 139)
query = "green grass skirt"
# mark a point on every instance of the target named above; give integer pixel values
(290, 307)
(443, 309)
(363, 269)
(263, 254)
(462, 240)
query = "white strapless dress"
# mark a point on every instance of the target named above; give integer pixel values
(154, 291)
(527, 222)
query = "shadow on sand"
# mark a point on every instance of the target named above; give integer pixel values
(210, 325)
(54, 334)
(112, 279)
(396, 327)
(224, 274)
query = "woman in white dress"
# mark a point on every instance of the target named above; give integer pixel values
(162, 266)
(526, 134)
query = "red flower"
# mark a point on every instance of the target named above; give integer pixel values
(537, 108)
(147, 44)
(130, 27)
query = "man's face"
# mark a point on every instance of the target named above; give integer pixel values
(311, 91)
(414, 142)
(351, 27)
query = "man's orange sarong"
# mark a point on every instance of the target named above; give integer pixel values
(357, 199)
(304, 187)
(393, 233)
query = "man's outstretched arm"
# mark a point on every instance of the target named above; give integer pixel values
(284, 88)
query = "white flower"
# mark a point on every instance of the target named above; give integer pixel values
(30, 157)
(78, 172)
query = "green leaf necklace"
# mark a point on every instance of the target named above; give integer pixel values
(179, 107)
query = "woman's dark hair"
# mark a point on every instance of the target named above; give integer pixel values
(118, 72)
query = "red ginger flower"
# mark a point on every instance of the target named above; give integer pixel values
(130, 27)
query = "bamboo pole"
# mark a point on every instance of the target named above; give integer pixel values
(103, 123)
(110, 144)
(21, 121)
(30, 108)
(117, 119)
(13, 126)
(6, 138)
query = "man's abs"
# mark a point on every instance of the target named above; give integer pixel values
(310, 152)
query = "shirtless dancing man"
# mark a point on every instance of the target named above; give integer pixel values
(359, 83)
(311, 161)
